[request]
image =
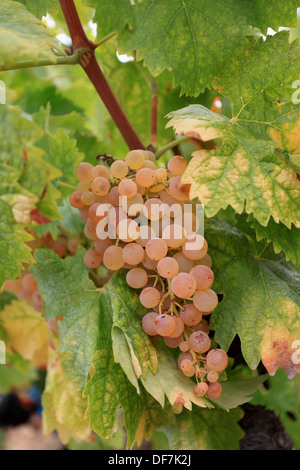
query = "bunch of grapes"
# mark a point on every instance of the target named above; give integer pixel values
(26, 289)
(139, 217)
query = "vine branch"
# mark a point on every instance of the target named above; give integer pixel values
(91, 67)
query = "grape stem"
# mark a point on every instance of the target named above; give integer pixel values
(91, 67)
(171, 145)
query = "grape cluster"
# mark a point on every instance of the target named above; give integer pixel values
(135, 215)
(26, 289)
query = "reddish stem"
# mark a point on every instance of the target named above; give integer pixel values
(95, 74)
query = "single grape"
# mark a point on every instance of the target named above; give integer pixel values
(200, 389)
(135, 159)
(119, 169)
(133, 254)
(178, 190)
(145, 177)
(150, 165)
(132, 206)
(212, 376)
(89, 235)
(112, 258)
(75, 200)
(187, 368)
(184, 346)
(217, 360)
(87, 198)
(203, 275)
(114, 196)
(92, 259)
(167, 267)
(190, 315)
(174, 235)
(179, 328)
(91, 226)
(127, 188)
(84, 172)
(199, 342)
(185, 264)
(214, 391)
(154, 209)
(205, 300)
(150, 156)
(100, 170)
(100, 186)
(149, 263)
(29, 283)
(156, 249)
(195, 247)
(165, 325)
(202, 326)
(101, 245)
(136, 278)
(128, 230)
(183, 356)
(183, 285)
(150, 297)
(172, 342)
(177, 165)
(148, 323)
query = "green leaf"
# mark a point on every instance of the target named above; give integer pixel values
(243, 171)
(283, 239)
(190, 38)
(63, 404)
(111, 16)
(40, 8)
(127, 316)
(22, 36)
(13, 250)
(67, 291)
(238, 392)
(205, 430)
(260, 303)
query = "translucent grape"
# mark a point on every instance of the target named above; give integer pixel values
(199, 342)
(150, 297)
(165, 325)
(145, 177)
(156, 249)
(150, 165)
(161, 174)
(100, 170)
(127, 188)
(92, 259)
(119, 169)
(133, 254)
(183, 356)
(178, 190)
(148, 323)
(89, 235)
(185, 264)
(29, 283)
(91, 226)
(202, 326)
(167, 267)
(174, 235)
(200, 389)
(217, 360)
(154, 209)
(195, 247)
(137, 278)
(177, 165)
(100, 186)
(75, 200)
(179, 328)
(114, 196)
(133, 206)
(203, 275)
(214, 391)
(205, 300)
(128, 230)
(172, 342)
(212, 376)
(84, 172)
(113, 259)
(187, 368)
(87, 198)
(149, 156)
(190, 315)
(149, 263)
(101, 245)
(183, 285)
(135, 159)
(184, 346)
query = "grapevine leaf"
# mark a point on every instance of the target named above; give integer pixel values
(261, 300)
(111, 16)
(205, 430)
(67, 292)
(169, 381)
(22, 36)
(39, 8)
(27, 332)
(13, 250)
(127, 315)
(189, 38)
(238, 392)
(243, 171)
(283, 239)
(108, 388)
(63, 404)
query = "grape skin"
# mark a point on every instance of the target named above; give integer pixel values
(150, 297)
(167, 267)
(92, 259)
(199, 342)
(203, 275)
(205, 300)
(214, 390)
(165, 325)
(183, 285)
(148, 323)
(190, 315)
(217, 360)
(201, 389)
